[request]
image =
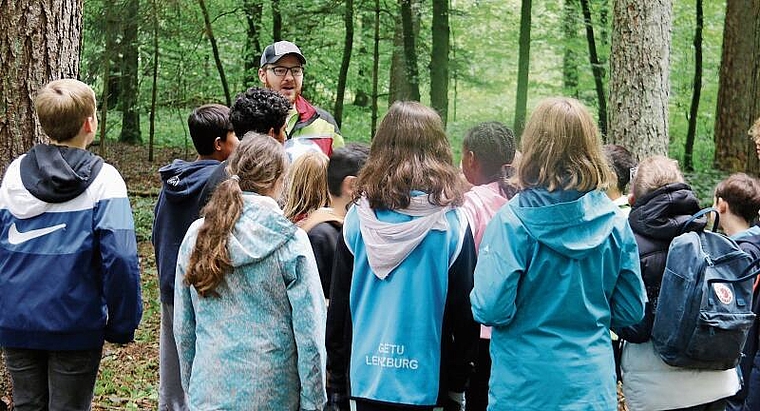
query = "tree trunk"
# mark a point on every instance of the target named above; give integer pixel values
(697, 90)
(639, 82)
(401, 83)
(44, 35)
(439, 60)
(343, 75)
(252, 56)
(39, 42)
(130, 120)
(154, 88)
(410, 49)
(570, 57)
(105, 97)
(523, 67)
(276, 21)
(739, 87)
(215, 51)
(375, 68)
(596, 68)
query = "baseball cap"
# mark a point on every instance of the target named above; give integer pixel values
(275, 51)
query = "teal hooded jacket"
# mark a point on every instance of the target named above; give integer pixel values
(555, 271)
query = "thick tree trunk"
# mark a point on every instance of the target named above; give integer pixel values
(343, 74)
(739, 87)
(639, 76)
(697, 91)
(439, 59)
(215, 51)
(130, 120)
(596, 68)
(523, 67)
(39, 42)
(252, 56)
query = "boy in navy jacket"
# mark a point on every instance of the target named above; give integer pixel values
(179, 204)
(69, 274)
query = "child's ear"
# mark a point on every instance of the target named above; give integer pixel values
(347, 186)
(721, 205)
(218, 144)
(89, 125)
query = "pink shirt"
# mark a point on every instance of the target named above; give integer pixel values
(480, 205)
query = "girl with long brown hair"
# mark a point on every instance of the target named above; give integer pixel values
(557, 266)
(406, 260)
(249, 312)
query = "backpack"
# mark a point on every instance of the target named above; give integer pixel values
(704, 310)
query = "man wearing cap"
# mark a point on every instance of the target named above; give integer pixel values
(282, 69)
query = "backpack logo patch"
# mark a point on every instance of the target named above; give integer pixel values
(724, 293)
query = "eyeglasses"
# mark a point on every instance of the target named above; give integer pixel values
(281, 71)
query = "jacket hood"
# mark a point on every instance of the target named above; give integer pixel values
(662, 213)
(259, 232)
(569, 222)
(56, 174)
(185, 179)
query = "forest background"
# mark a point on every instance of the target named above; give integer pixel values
(151, 61)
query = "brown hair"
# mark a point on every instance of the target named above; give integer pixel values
(742, 193)
(63, 106)
(655, 172)
(255, 166)
(754, 131)
(307, 186)
(410, 151)
(562, 149)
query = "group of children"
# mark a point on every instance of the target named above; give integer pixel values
(363, 278)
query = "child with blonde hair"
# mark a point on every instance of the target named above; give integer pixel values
(70, 276)
(557, 267)
(662, 203)
(249, 314)
(400, 329)
(307, 186)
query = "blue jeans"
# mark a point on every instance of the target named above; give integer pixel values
(52, 380)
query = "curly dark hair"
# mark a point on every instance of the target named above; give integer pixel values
(258, 110)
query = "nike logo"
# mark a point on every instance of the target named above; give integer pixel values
(15, 237)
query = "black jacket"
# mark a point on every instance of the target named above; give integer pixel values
(656, 219)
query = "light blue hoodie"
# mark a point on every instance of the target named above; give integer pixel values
(555, 271)
(261, 343)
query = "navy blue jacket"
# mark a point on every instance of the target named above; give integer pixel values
(69, 273)
(179, 204)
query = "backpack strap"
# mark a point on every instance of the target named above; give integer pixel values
(744, 276)
(699, 214)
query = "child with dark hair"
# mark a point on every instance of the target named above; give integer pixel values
(177, 207)
(250, 317)
(737, 200)
(488, 151)
(257, 110)
(622, 162)
(400, 330)
(324, 224)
